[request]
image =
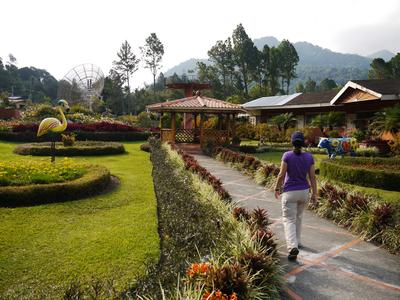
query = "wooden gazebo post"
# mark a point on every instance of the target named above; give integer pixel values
(201, 128)
(173, 127)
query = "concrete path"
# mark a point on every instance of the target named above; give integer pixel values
(334, 264)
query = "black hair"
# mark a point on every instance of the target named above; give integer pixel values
(297, 144)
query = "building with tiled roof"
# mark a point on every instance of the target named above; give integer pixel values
(358, 99)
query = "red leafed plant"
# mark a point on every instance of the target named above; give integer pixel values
(192, 164)
(383, 215)
(241, 213)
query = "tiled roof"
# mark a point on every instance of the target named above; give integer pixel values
(313, 98)
(195, 103)
(381, 86)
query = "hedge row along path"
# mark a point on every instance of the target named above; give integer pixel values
(334, 264)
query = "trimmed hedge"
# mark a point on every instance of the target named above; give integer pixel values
(28, 136)
(79, 149)
(194, 223)
(95, 180)
(362, 171)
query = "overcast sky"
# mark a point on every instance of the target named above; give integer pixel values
(57, 35)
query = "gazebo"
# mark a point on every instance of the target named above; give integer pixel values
(194, 108)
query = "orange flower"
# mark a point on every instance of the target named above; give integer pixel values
(197, 269)
(233, 297)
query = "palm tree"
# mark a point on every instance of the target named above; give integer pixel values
(386, 121)
(284, 121)
(330, 120)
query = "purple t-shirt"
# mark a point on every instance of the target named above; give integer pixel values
(297, 170)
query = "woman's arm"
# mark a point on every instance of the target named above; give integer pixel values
(314, 190)
(281, 177)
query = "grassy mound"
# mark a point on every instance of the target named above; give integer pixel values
(52, 184)
(78, 149)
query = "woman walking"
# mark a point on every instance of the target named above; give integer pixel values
(295, 167)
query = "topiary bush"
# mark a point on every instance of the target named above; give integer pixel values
(78, 149)
(381, 173)
(95, 180)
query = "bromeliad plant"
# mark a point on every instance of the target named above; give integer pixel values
(364, 214)
(192, 165)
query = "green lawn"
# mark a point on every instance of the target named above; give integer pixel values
(43, 248)
(389, 196)
(275, 157)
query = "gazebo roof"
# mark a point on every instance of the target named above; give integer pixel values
(197, 103)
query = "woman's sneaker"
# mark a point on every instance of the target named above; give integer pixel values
(293, 254)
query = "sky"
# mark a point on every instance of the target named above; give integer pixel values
(57, 35)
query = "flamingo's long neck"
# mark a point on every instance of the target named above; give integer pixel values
(63, 119)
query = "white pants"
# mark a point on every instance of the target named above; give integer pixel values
(293, 204)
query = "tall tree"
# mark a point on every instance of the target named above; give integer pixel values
(221, 54)
(127, 63)
(379, 69)
(327, 85)
(274, 70)
(245, 54)
(153, 52)
(289, 61)
(395, 66)
(300, 87)
(310, 86)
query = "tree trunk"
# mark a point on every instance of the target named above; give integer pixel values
(154, 83)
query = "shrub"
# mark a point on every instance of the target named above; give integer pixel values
(79, 149)
(145, 147)
(68, 140)
(379, 173)
(246, 131)
(368, 152)
(95, 180)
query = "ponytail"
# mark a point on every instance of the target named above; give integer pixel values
(297, 150)
(297, 147)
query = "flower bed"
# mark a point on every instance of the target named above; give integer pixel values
(92, 127)
(43, 183)
(369, 216)
(98, 131)
(192, 165)
(366, 215)
(17, 173)
(29, 136)
(228, 257)
(382, 173)
(264, 174)
(78, 149)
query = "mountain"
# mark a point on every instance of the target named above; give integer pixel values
(186, 67)
(316, 56)
(385, 54)
(315, 62)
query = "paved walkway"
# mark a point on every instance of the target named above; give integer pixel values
(334, 263)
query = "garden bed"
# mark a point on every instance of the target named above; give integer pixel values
(382, 173)
(206, 248)
(51, 184)
(78, 149)
(368, 215)
(29, 136)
